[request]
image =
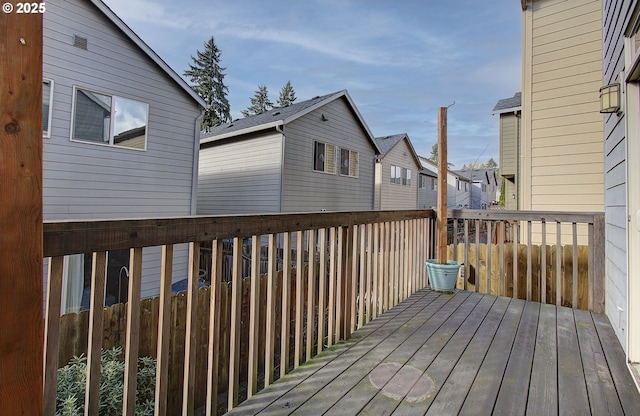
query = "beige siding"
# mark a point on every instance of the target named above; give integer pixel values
(509, 144)
(563, 154)
(396, 196)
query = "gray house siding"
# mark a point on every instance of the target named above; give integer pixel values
(393, 195)
(427, 197)
(616, 16)
(241, 177)
(307, 190)
(91, 181)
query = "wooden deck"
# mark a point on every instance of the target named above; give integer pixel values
(463, 354)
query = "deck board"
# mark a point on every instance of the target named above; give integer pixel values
(466, 354)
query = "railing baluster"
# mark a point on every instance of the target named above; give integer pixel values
(234, 327)
(387, 265)
(311, 292)
(516, 242)
(322, 286)
(52, 333)
(133, 332)
(286, 304)
(476, 285)
(191, 331)
(254, 317)
(270, 319)
(361, 276)
(331, 330)
(574, 285)
(352, 285)
(467, 266)
(489, 250)
(369, 275)
(529, 266)
(503, 290)
(543, 263)
(559, 278)
(299, 299)
(214, 327)
(164, 328)
(390, 285)
(375, 301)
(96, 323)
(340, 285)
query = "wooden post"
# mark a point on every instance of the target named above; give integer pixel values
(441, 254)
(21, 289)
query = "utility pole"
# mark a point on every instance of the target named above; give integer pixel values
(21, 305)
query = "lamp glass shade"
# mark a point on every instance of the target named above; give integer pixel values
(610, 98)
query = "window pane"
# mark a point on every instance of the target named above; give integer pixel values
(392, 174)
(92, 117)
(353, 164)
(344, 162)
(408, 177)
(130, 125)
(318, 157)
(46, 105)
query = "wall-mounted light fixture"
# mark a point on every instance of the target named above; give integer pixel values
(610, 98)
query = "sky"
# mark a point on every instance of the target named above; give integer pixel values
(400, 60)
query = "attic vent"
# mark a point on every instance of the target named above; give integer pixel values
(80, 42)
(276, 113)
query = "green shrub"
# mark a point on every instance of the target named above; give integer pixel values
(72, 382)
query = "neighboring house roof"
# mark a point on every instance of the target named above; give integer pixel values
(281, 116)
(148, 51)
(508, 105)
(484, 175)
(428, 172)
(387, 143)
(462, 174)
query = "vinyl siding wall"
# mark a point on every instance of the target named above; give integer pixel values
(241, 177)
(89, 181)
(393, 195)
(563, 166)
(508, 144)
(305, 190)
(427, 197)
(616, 18)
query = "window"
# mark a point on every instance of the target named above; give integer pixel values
(47, 100)
(109, 120)
(422, 182)
(458, 184)
(348, 162)
(466, 186)
(434, 184)
(324, 157)
(400, 176)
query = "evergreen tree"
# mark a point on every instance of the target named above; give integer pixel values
(259, 103)
(207, 77)
(491, 164)
(287, 95)
(433, 158)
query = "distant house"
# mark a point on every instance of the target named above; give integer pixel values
(561, 157)
(397, 168)
(484, 187)
(121, 133)
(621, 71)
(315, 155)
(510, 112)
(458, 185)
(427, 189)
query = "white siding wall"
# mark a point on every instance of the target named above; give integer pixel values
(88, 181)
(241, 177)
(396, 196)
(305, 190)
(508, 144)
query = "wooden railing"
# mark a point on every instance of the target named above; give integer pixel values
(348, 269)
(550, 257)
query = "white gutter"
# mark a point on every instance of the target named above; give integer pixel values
(234, 133)
(196, 162)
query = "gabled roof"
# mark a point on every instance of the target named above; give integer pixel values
(428, 172)
(148, 51)
(387, 143)
(484, 175)
(281, 116)
(508, 105)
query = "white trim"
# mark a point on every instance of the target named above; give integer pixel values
(47, 134)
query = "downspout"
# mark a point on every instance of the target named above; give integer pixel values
(284, 138)
(196, 162)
